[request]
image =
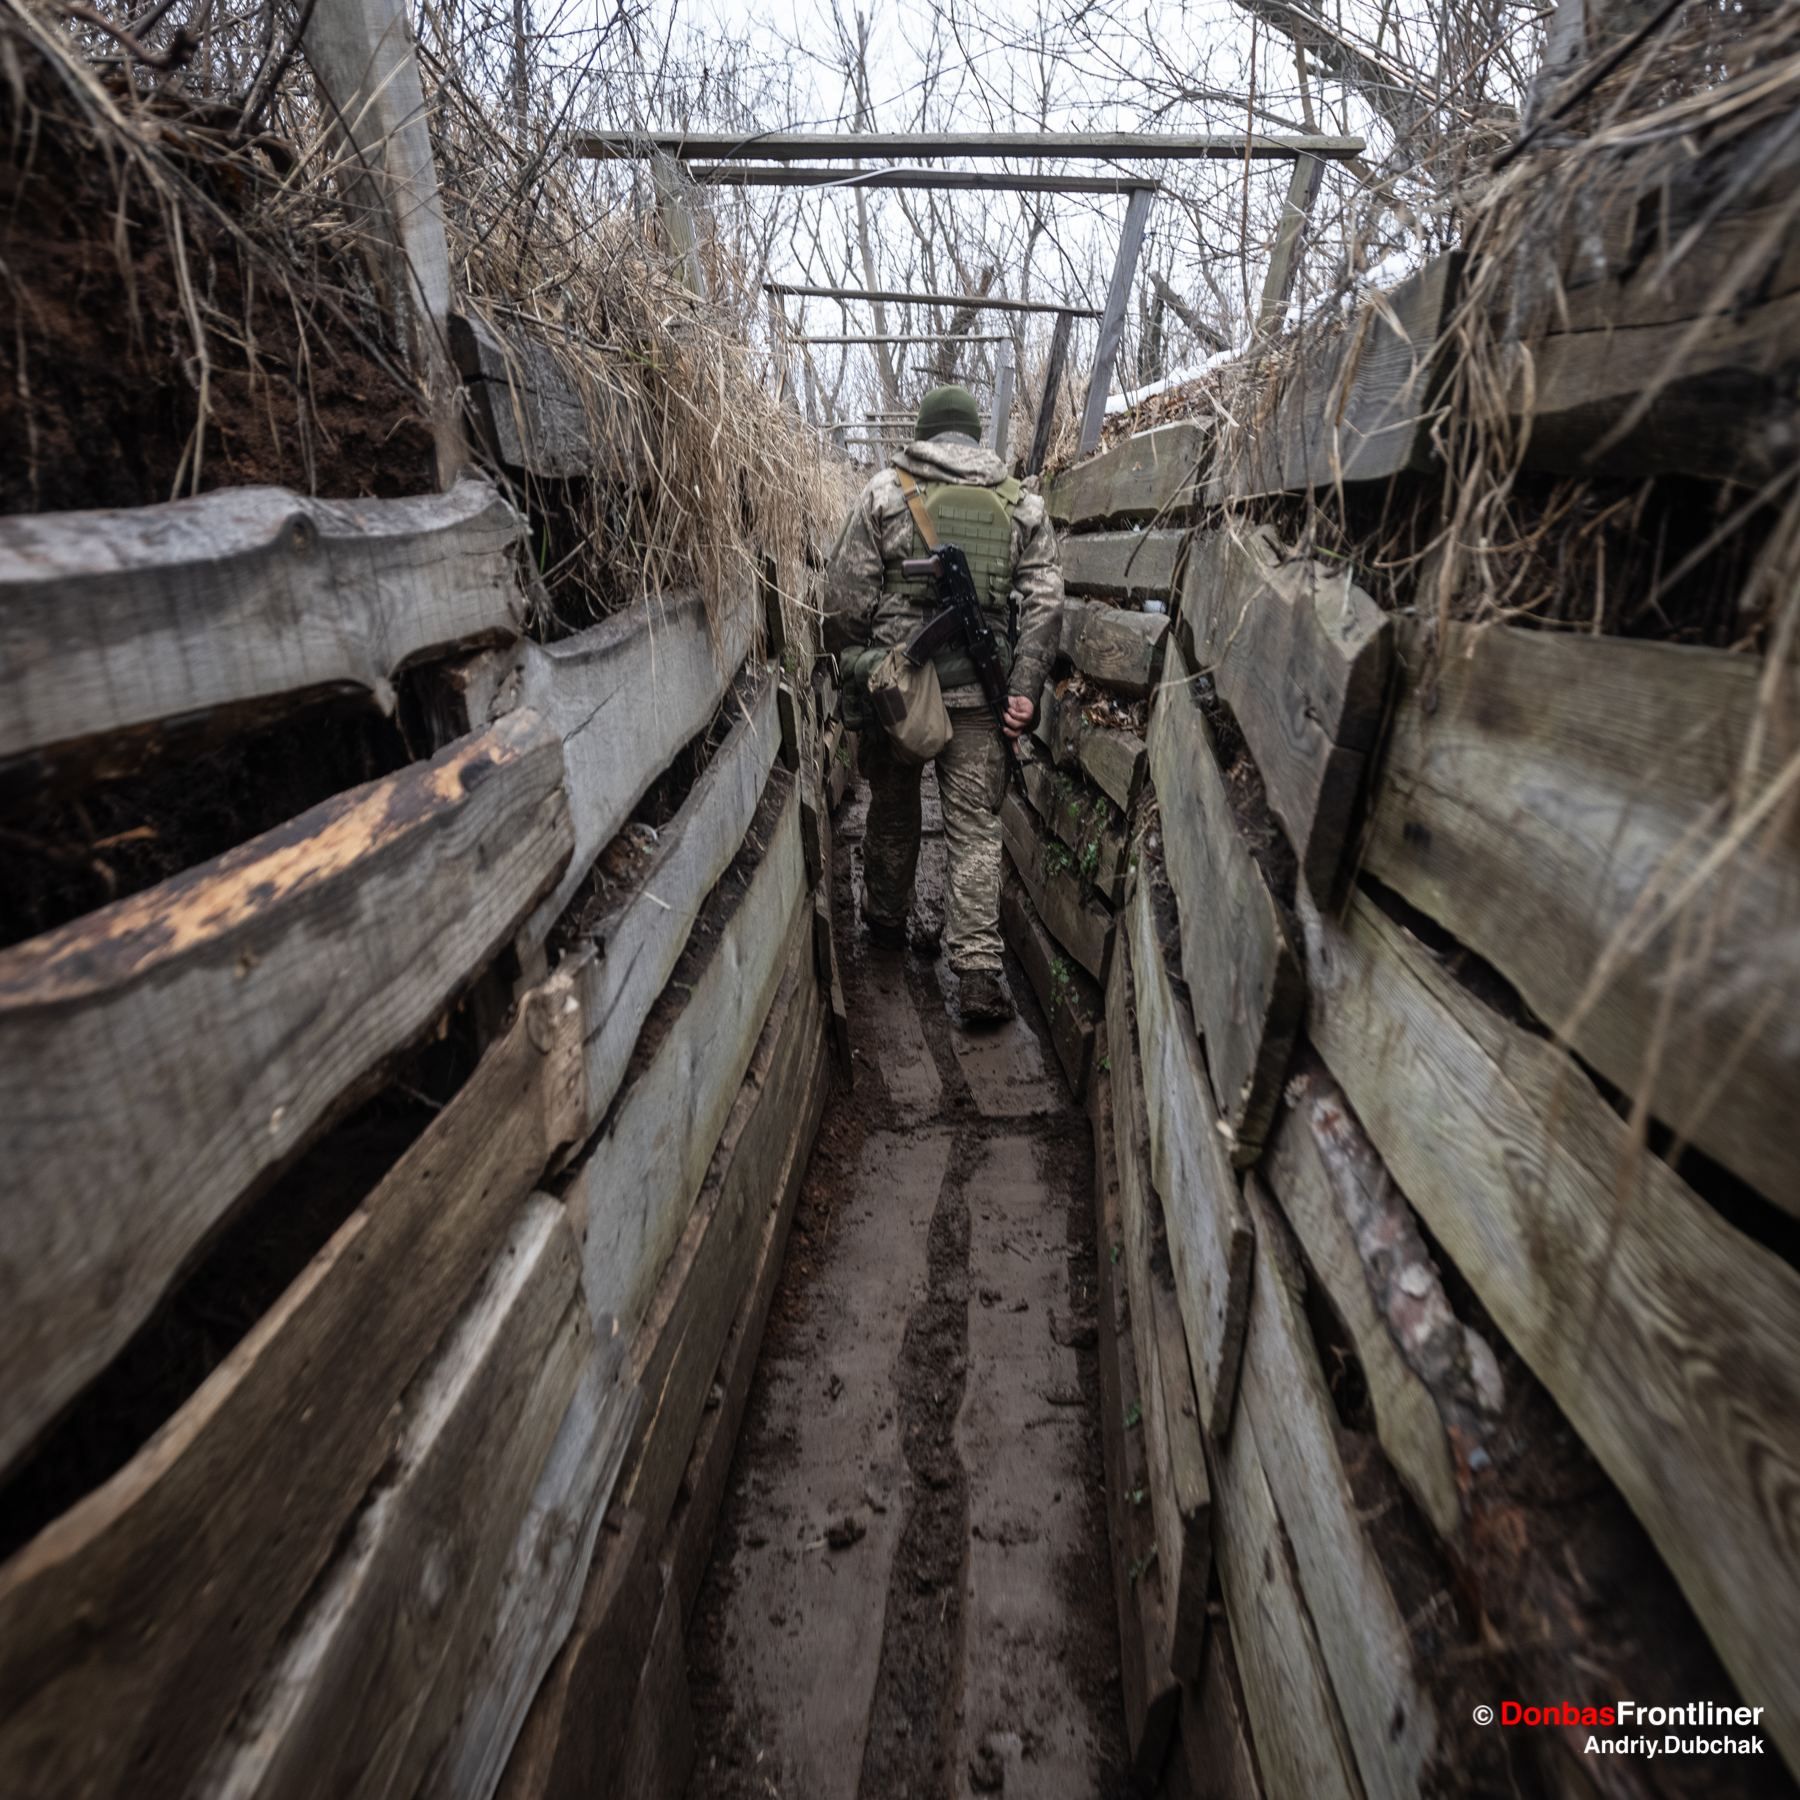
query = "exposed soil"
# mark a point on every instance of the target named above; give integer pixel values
(909, 1592)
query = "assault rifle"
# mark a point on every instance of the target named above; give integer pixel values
(959, 617)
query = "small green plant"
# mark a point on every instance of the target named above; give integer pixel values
(1090, 858)
(1139, 1496)
(1141, 1567)
(1134, 1414)
(1106, 1063)
(1118, 1250)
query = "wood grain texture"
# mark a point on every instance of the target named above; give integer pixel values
(632, 1192)
(1545, 798)
(1408, 1423)
(638, 940)
(540, 1588)
(656, 1755)
(531, 414)
(624, 697)
(187, 1563)
(1117, 647)
(1246, 980)
(1070, 1000)
(1215, 1757)
(1301, 656)
(1180, 1495)
(1665, 1335)
(1390, 1722)
(1131, 565)
(1153, 475)
(160, 1056)
(1348, 403)
(1298, 1732)
(1113, 760)
(1080, 924)
(1086, 821)
(1151, 1694)
(365, 1690)
(1210, 1239)
(118, 621)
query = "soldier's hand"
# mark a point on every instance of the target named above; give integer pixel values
(1019, 713)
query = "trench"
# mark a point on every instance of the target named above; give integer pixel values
(909, 1591)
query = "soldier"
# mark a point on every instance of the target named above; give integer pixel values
(1006, 534)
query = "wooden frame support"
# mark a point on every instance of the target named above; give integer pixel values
(1284, 260)
(788, 290)
(1112, 321)
(1053, 374)
(855, 146)
(1001, 422)
(983, 181)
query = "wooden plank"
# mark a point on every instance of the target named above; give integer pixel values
(1111, 146)
(1247, 985)
(366, 1688)
(659, 1742)
(1119, 648)
(1545, 798)
(533, 415)
(1086, 821)
(1278, 285)
(1151, 1694)
(1154, 475)
(1295, 1725)
(1409, 1424)
(639, 939)
(1678, 1371)
(235, 604)
(540, 1589)
(1215, 1758)
(1210, 1239)
(631, 1194)
(1081, 925)
(1112, 319)
(676, 1349)
(1068, 996)
(1388, 1719)
(1127, 565)
(1180, 1496)
(1302, 656)
(624, 697)
(187, 1563)
(160, 1056)
(1349, 402)
(1113, 760)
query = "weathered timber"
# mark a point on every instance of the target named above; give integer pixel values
(533, 416)
(800, 1103)
(633, 1191)
(1349, 403)
(1151, 1694)
(225, 607)
(676, 1349)
(837, 1014)
(1154, 475)
(1411, 1426)
(799, 146)
(656, 1745)
(1247, 985)
(1664, 1334)
(1390, 1722)
(1132, 565)
(1301, 655)
(1083, 927)
(623, 696)
(1112, 759)
(161, 1055)
(1069, 998)
(572, 1735)
(839, 749)
(1295, 1725)
(1210, 1238)
(1214, 1756)
(540, 1589)
(1180, 1496)
(1551, 801)
(364, 1692)
(1086, 820)
(187, 1563)
(1119, 648)
(639, 939)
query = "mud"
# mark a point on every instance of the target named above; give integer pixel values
(909, 1590)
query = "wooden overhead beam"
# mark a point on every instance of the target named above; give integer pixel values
(994, 181)
(1034, 146)
(974, 302)
(910, 337)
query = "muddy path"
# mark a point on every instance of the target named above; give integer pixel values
(909, 1594)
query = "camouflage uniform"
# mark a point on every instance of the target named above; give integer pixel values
(972, 767)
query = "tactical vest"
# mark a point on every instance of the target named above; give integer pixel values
(978, 520)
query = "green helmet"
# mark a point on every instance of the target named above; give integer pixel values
(948, 409)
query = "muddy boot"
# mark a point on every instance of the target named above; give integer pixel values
(925, 936)
(884, 933)
(985, 998)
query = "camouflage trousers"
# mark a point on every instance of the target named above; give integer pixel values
(971, 774)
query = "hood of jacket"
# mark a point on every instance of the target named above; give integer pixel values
(952, 457)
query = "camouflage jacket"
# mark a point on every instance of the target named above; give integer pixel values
(880, 529)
